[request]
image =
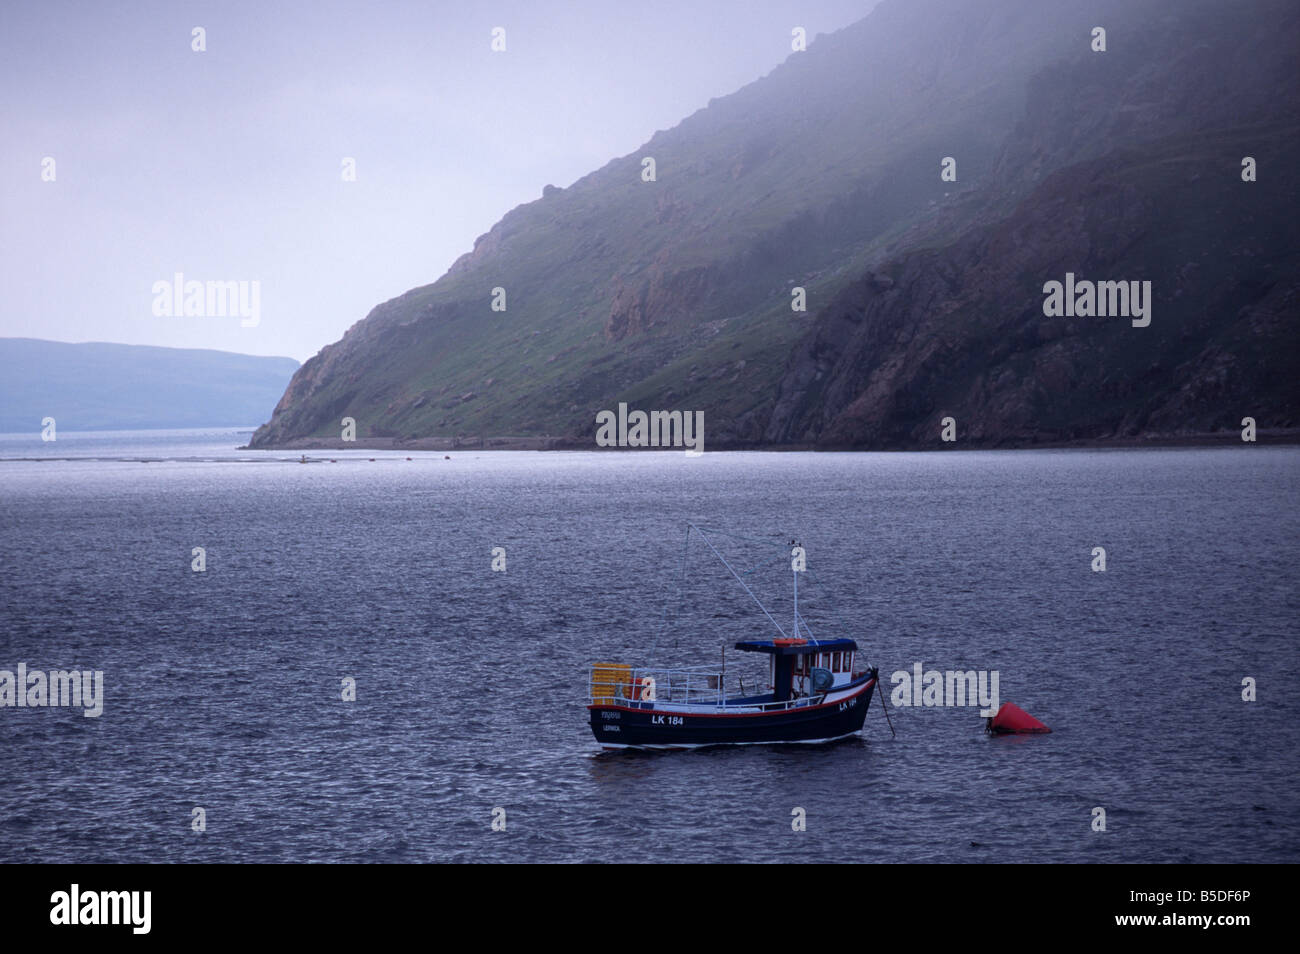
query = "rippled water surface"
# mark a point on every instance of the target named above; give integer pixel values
(222, 688)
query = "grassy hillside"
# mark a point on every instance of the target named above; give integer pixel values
(675, 293)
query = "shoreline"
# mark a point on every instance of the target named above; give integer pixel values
(1277, 436)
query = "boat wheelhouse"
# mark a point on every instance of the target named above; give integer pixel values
(813, 691)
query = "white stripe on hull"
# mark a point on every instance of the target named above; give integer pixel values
(706, 745)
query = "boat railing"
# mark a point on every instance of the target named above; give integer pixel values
(648, 688)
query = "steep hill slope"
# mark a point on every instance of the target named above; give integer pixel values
(676, 293)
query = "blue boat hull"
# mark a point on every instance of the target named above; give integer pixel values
(646, 725)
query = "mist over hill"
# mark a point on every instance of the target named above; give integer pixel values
(925, 293)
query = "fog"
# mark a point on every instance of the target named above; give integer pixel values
(128, 156)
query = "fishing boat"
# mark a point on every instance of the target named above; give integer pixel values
(815, 690)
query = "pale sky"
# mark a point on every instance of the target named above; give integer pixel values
(226, 165)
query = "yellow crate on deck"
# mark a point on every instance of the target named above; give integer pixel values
(610, 683)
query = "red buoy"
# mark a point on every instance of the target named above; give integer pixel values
(1011, 718)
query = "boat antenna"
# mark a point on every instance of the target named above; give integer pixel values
(834, 613)
(795, 543)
